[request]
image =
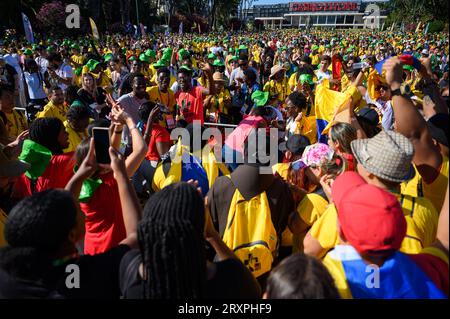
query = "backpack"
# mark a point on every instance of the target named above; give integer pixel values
(250, 232)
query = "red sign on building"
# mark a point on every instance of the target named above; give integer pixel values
(324, 6)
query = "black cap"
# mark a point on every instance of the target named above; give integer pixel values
(438, 132)
(295, 144)
(368, 115)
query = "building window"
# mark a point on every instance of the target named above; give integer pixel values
(322, 20)
(314, 19)
(349, 19)
(331, 19)
(340, 19)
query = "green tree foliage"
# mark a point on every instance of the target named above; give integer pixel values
(413, 11)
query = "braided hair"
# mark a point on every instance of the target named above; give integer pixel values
(170, 237)
(36, 229)
(45, 131)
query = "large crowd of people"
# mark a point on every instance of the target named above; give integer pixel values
(355, 204)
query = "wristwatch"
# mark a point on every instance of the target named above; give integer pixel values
(404, 89)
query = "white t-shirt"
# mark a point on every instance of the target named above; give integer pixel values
(131, 105)
(35, 85)
(64, 71)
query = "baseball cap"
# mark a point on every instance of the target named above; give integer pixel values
(370, 218)
(368, 115)
(296, 144)
(11, 167)
(440, 134)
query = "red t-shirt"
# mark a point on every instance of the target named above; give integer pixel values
(57, 174)
(159, 135)
(191, 104)
(105, 228)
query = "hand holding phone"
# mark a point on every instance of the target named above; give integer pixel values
(101, 142)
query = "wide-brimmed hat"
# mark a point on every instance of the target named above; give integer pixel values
(387, 155)
(275, 69)
(11, 167)
(260, 98)
(218, 77)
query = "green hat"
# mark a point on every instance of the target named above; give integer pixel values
(107, 57)
(150, 53)
(132, 58)
(159, 64)
(78, 71)
(183, 53)
(233, 58)
(211, 56)
(75, 46)
(76, 103)
(242, 47)
(306, 78)
(144, 58)
(92, 64)
(34, 46)
(28, 52)
(168, 51)
(314, 47)
(218, 63)
(37, 156)
(50, 49)
(410, 68)
(260, 98)
(184, 67)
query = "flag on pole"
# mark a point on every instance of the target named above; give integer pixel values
(180, 28)
(426, 28)
(27, 28)
(393, 26)
(95, 33)
(418, 26)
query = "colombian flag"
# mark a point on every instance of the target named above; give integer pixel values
(326, 104)
(398, 278)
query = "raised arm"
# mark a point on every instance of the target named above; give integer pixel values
(128, 200)
(136, 157)
(410, 123)
(211, 88)
(86, 169)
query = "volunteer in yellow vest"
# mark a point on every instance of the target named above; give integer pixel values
(77, 59)
(432, 166)
(16, 122)
(158, 65)
(217, 105)
(315, 57)
(371, 230)
(76, 126)
(298, 119)
(277, 86)
(383, 161)
(55, 107)
(250, 210)
(10, 168)
(161, 93)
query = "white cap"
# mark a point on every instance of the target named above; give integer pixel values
(425, 52)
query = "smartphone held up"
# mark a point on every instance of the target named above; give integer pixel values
(101, 142)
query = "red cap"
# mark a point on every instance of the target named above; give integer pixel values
(371, 219)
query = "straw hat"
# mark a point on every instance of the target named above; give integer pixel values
(276, 69)
(218, 77)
